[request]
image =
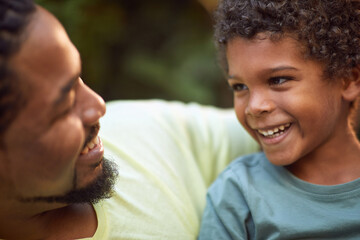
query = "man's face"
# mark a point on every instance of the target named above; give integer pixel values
(44, 153)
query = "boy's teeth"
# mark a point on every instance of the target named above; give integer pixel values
(275, 131)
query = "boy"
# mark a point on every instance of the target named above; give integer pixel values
(294, 70)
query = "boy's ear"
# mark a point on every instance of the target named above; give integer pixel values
(351, 85)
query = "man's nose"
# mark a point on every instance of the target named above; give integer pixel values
(91, 105)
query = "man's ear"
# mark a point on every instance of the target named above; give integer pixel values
(351, 85)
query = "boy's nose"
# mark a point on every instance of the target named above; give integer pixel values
(258, 104)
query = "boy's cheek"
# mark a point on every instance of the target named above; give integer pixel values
(251, 132)
(242, 119)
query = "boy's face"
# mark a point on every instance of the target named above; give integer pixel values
(283, 101)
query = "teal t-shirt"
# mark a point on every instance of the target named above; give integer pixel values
(253, 199)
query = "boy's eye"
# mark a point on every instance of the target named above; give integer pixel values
(279, 80)
(237, 87)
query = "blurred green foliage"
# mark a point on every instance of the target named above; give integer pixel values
(140, 49)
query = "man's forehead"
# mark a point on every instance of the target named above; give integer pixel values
(47, 50)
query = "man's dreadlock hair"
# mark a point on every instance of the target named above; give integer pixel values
(14, 17)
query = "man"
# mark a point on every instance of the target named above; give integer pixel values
(55, 182)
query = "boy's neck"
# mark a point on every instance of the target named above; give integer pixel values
(337, 164)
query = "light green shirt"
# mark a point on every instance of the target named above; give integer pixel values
(168, 153)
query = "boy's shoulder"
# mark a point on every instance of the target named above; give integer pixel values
(242, 173)
(249, 161)
(246, 167)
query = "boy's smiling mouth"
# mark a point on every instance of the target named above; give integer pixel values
(274, 131)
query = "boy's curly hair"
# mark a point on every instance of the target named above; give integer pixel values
(328, 29)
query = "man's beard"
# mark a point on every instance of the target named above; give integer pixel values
(100, 188)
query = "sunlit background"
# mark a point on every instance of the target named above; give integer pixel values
(142, 49)
(146, 49)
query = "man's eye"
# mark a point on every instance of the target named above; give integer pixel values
(237, 87)
(279, 80)
(68, 109)
(64, 113)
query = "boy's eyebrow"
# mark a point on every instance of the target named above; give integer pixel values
(65, 90)
(270, 70)
(281, 68)
(232, 77)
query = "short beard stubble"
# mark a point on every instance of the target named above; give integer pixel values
(101, 188)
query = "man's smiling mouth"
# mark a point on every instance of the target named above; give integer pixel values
(92, 140)
(91, 145)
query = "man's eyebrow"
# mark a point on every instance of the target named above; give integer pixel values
(65, 90)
